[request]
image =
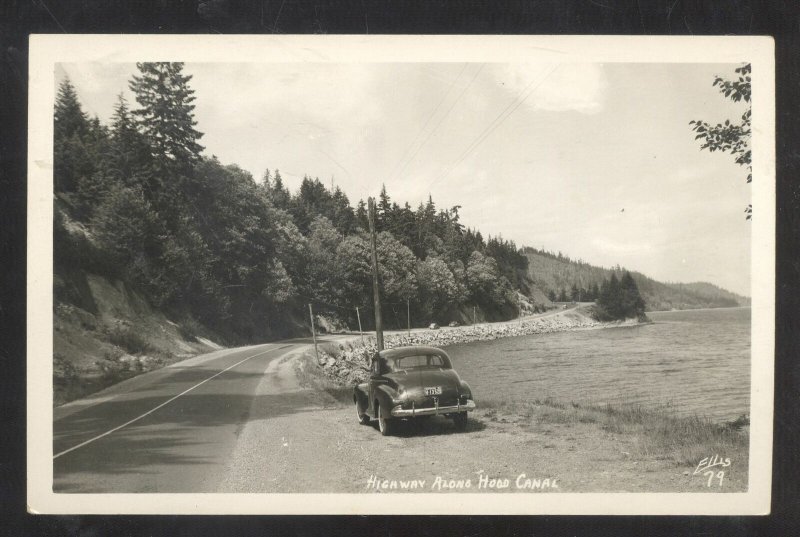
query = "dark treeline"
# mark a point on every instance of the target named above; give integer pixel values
(615, 298)
(619, 299)
(136, 200)
(575, 293)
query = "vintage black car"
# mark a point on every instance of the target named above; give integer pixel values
(412, 382)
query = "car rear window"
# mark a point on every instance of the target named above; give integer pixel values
(417, 361)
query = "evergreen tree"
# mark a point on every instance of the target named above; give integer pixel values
(404, 228)
(166, 113)
(384, 213)
(94, 179)
(612, 299)
(632, 304)
(620, 299)
(278, 194)
(311, 200)
(574, 293)
(71, 158)
(362, 219)
(69, 117)
(128, 152)
(595, 292)
(342, 214)
(122, 124)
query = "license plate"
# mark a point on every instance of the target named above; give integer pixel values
(436, 390)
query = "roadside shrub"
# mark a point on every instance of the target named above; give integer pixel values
(738, 423)
(190, 328)
(334, 349)
(129, 340)
(600, 314)
(113, 370)
(64, 372)
(74, 251)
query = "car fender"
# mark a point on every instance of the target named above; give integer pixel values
(361, 394)
(384, 394)
(464, 388)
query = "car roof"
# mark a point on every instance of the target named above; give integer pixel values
(413, 350)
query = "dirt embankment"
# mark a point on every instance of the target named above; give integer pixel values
(112, 335)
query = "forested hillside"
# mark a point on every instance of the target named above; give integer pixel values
(562, 279)
(137, 201)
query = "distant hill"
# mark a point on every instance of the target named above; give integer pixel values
(711, 292)
(553, 272)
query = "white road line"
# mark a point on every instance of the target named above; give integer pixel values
(165, 403)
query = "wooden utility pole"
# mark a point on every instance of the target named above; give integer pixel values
(474, 318)
(408, 315)
(313, 332)
(375, 288)
(360, 331)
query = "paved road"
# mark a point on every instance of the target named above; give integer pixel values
(224, 421)
(172, 430)
(238, 420)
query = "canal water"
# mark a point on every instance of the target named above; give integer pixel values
(697, 362)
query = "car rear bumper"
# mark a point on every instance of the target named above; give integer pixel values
(400, 412)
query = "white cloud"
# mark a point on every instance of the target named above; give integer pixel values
(566, 87)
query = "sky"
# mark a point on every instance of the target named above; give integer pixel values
(597, 161)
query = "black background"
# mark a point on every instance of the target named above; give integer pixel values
(781, 19)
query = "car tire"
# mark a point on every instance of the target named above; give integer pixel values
(363, 419)
(460, 421)
(385, 425)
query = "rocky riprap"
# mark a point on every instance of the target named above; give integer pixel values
(351, 363)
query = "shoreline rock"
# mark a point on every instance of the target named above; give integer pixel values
(351, 364)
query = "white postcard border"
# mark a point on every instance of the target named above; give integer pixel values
(47, 50)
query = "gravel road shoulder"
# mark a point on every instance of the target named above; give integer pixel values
(299, 438)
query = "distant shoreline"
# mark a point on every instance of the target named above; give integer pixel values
(703, 309)
(346, 361)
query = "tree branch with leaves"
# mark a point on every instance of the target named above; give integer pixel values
(731, 137)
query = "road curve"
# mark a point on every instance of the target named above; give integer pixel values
(170, 430)
(239, 421)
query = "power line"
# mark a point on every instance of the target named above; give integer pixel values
(430, 117)
(496, 122)
(493, 125)
(435, 128)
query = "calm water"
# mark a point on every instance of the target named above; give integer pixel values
(696, 361)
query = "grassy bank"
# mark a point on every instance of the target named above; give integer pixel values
(658, 433)
(590, 447)
(644, 440)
